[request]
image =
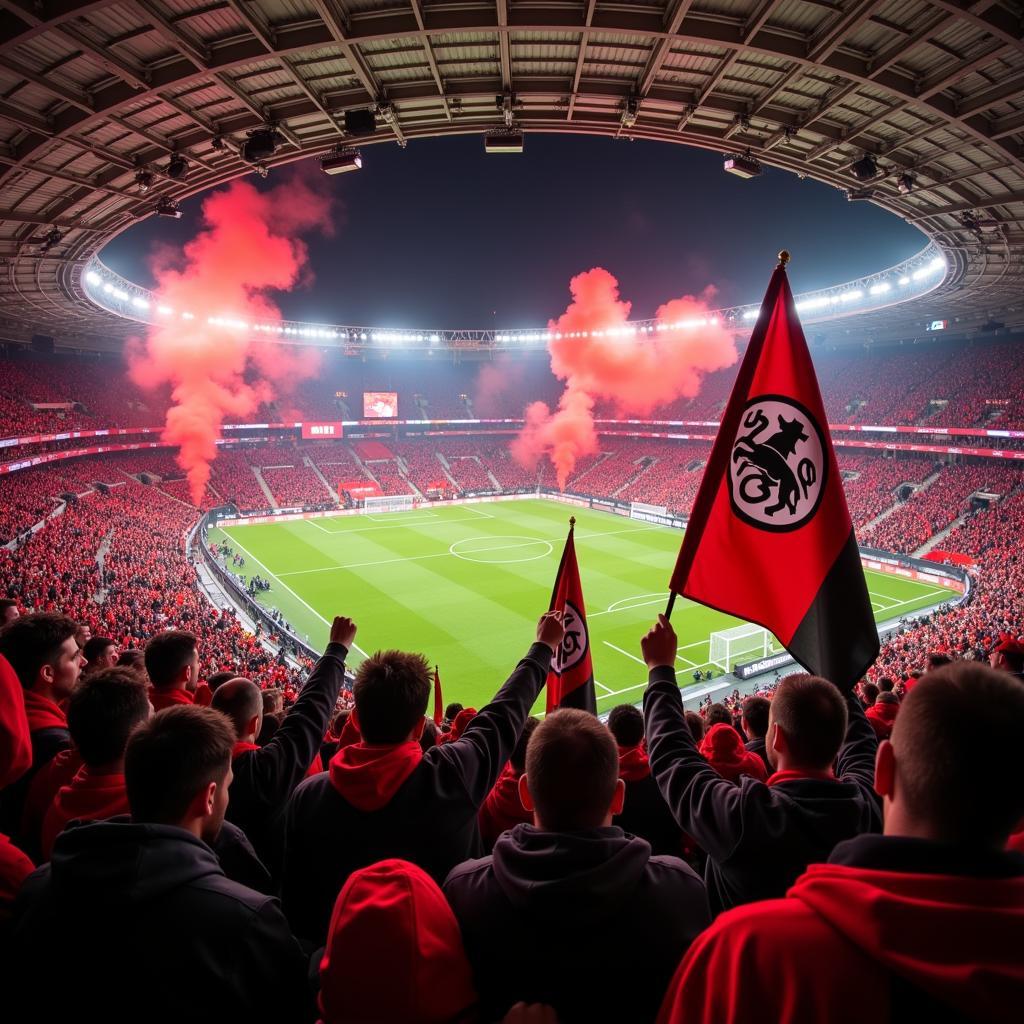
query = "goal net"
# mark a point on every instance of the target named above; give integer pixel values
(641, 510)
(388, 503)
(741, 643)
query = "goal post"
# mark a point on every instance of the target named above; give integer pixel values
(389, 503)
(741, 643)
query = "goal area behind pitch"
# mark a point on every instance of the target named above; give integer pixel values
(389, 503)
(741, 643)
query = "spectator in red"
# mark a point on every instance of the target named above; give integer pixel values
(644, 812)
(384, 797)
(100, 652)
(43, 651)
(724, 750)
(265, 777)
(1008, 656)
(172, 664)
(925, 922)
(393, 913)
(759, 836)
(539, 912)
(754, 720)
(102, 713)
(165, 925)
(503, 809)
(882, 714)
(15, 759)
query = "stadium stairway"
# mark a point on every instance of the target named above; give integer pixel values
(897, 505)
(271, 501)
(316, 469)
(933, 542)
(446, 469)
(636, 476)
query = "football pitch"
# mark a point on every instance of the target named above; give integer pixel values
(465, 584)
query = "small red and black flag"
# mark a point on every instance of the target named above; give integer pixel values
(571, 677)
(770, 538)
(438, 704)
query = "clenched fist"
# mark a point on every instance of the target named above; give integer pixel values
(550, 630)
(343, 631)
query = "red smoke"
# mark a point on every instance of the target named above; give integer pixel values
(637, 372)
(247, 246)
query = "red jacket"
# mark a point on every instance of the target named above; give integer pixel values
(15, 737)
(881, 717)
(88, 797)
(15, 867)
(723, 747)
(502, 809)
(853, 944)
(396, 907)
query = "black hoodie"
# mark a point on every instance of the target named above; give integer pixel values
(138, 922)
(542, 914)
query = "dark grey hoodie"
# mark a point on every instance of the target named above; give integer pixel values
(139, 923)
(587, 922)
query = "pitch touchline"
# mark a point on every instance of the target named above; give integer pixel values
(290, 591)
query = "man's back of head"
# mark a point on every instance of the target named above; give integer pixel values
(755, 717)
(391, 692)
(952, 769)
(717, 713)
(177, 769)
(218, 679)
(572, 772)
(168, 655)
(103, 711)
(810, 714)
(626, 724)
(242, 702)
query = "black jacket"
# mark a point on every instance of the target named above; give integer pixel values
(138, 922)
(545, 911)
(758, 838)
(758, 746)
(645, 814)
(264, 779)
(46, 745)
(431, 820)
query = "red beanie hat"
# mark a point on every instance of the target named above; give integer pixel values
(462, 719)
(15, 740)
(394, 952)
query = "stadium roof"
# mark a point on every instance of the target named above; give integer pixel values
(94, 92)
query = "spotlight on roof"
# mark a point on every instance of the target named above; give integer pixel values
(341, 161)
(167, 207)
(865, 168)
(905, 183)
(217, 143)
(50, 239)
(177, 167)
(503, 141)
(854, 195)
(630, 112)
(143, 180)
(261, 144)
(743, 166)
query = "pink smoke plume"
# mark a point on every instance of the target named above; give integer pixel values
(637, 372)
(247, 246)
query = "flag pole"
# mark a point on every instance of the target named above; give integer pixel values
(784, 258)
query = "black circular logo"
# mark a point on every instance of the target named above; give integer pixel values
(575, 642)
(778, 468)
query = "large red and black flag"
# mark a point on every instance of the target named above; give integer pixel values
(571, 676)
(438, 703)
(770, 538)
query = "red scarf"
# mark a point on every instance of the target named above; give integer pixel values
(792, 774)
(634, 764)
(161, 699)
(368, 776)
(43, 713)
(88, 797)
(241, 747)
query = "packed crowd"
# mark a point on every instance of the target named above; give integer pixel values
(177, 839)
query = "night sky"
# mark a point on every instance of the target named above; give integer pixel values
(443, 235)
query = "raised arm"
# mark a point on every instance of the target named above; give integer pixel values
(479, 755)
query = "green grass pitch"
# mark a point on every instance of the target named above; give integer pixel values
(465, 585)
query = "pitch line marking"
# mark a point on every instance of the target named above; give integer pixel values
(290, 591)
(607, 690)
(501, 547)
(639, 661)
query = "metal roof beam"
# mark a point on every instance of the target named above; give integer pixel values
(170, 33)
(581, 56)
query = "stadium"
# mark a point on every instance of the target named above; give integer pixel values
(197, 478)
